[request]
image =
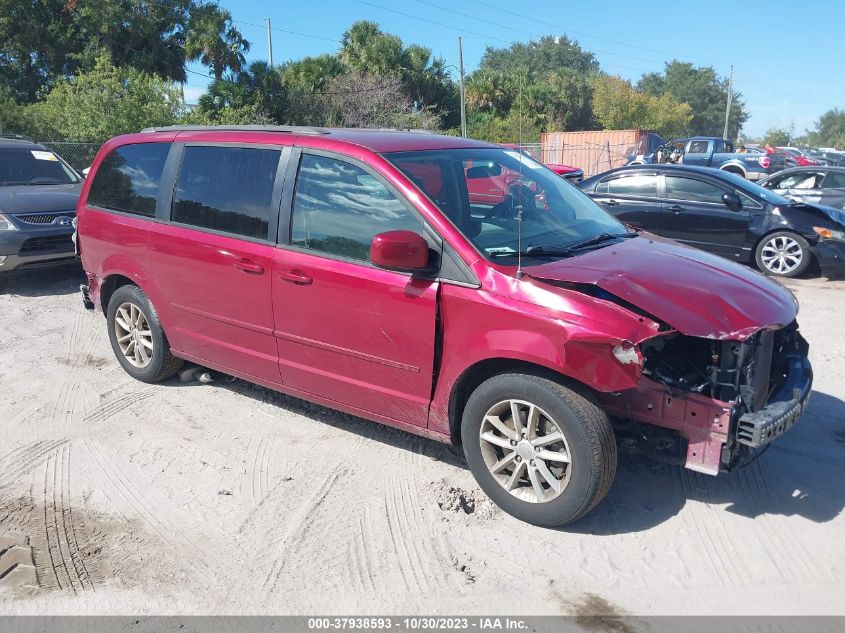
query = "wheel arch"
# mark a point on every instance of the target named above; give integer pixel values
(484, 369)
(734, 168)
(109, 285)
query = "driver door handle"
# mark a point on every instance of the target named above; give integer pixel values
(609, 203)
(676, 208)
(248, 266)
(296, 277)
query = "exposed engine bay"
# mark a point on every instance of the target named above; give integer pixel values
(745, 372)
(722, 398)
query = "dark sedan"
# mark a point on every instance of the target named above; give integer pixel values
(813, 185)
(38, 194)
(725, 214)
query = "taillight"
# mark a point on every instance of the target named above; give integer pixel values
(765, 161)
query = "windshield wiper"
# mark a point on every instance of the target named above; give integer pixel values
(536, 251)
(598, 239)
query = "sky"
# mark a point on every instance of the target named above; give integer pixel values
(787, 56)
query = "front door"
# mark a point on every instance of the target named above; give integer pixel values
(214, 258)
(632, 197)
(695, 214)
(349, 332)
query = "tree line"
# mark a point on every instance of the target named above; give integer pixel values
(86, 70)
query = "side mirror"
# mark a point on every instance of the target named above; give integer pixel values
(399, 250)
(732, 201)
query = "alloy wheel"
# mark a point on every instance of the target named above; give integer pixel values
(133, 335)
(782, 255)
(525, 451)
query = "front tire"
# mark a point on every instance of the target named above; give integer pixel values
(137, 338)
(543, 452)
(783, 254)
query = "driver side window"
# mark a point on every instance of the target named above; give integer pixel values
(338, 208)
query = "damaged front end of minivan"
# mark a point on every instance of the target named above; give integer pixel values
(719, 399)
(727, 370)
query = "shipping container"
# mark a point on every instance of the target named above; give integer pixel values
(593, 151)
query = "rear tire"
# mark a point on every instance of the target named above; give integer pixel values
(523, 467)
(783, 254)
(137, 338)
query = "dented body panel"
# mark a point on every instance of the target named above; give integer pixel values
(694, 292)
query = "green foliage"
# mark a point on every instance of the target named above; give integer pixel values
(104, 102)
(617, 105)
(830, 130)
(214, 40)
(47, 40)
(511, 128)
(704, 91)
(777, 137)
(545, 82)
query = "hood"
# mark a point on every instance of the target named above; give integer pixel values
(36, 198)
(833, 213)
(696, 293)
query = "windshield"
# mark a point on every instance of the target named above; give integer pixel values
(485, 192)
(755, 190)
(26, 166)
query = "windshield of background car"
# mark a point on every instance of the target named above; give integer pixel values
(488, 192)
(754, 189)
(25, 166)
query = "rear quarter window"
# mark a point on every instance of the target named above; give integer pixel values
(227, 189)
(128, 179)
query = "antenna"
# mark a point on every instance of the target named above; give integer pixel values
(519, 272)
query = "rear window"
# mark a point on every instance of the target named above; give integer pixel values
(678, 188)
(28, 166)
(227, 189)
(128, 178)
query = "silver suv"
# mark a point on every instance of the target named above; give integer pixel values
(38, 194)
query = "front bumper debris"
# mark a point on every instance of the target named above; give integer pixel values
(782, 411)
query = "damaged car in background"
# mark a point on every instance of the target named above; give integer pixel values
(529, 325)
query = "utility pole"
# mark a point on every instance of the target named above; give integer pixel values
(730, 98)
(269, 44)
(463, 92)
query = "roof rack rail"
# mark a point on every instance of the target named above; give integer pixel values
(15, 137)
(410, 130)
(285, 129)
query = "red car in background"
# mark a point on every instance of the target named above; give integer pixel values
(797, 157)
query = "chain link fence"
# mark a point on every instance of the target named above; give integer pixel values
(77, 155)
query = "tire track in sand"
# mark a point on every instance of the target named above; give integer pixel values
(62, 565)
(298, 529)
(716, 544)
(141, 505)
(23, 459)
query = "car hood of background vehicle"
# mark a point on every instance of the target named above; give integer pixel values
(35, 198)
(694, 292)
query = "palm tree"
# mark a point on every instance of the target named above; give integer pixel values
(215, 41)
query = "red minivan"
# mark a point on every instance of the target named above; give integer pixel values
(352, 268)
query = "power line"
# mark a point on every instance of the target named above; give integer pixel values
(529, 33)
(441, 24)
(582, 33)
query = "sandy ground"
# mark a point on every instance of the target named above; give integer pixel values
(227, 498)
